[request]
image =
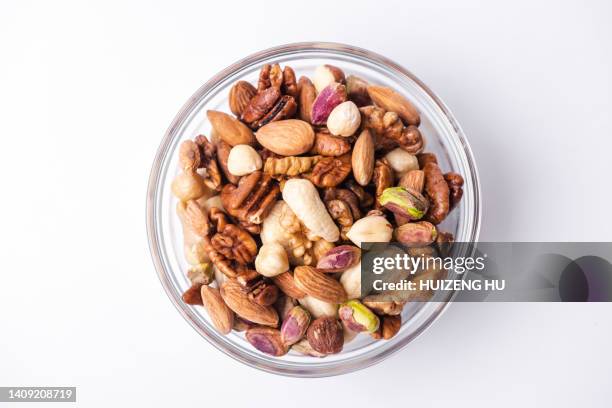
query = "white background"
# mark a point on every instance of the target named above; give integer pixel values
(87, 90)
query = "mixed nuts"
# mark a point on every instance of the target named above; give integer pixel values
(278, 204)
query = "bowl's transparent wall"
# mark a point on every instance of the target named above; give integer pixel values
(442, 137)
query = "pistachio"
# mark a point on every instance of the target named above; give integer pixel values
(401, 161)
(295, 325)
(358, 317)
(416, 233)
(325, 335)
(266, 340)
(404, 202)
(339, 259)
(330, 97)
(303, 347)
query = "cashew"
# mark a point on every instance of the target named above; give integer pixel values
(303, 198)
(243, 160)
(401, 161)
(374, 228)
(318, 308)
(272, 260)
(351, 281)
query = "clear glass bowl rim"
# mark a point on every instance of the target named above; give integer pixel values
(171, 133)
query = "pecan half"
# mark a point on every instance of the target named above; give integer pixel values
(331, 171)
(285, 108)
(230, 247)
(275, 98)
(252, 199)
(208, 161)
(328, 145)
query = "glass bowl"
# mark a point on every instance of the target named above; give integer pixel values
(442, 134)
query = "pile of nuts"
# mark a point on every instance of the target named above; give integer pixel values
(276, 204)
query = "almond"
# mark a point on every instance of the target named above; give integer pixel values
(220, 315)
(237, 300)
(319, 285)
(230, 129)
(391, 101)
(240, 95)
(289, 137)
(286, 284)
(363, 158)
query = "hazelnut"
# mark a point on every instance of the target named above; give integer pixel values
(243, 160)
(344, 119)
(272, 260)
(401, 161)
(188, 185)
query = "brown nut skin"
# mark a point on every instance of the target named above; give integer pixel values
(240, 95)
(266, 340)
(436, 188)
(414, 180)
(455, 186)
(325, 335)
(416, 233)
(392, 101)
(220, 315)
(223, 151)
(339, 259)
(230, 129)
(287, 285)
(260, 104)
(192, 296)
(306, 96)
(294, 326)
(319, 285)
(425, 158)
(389, 327)
(383, 177)
(326, 144)
(362, 159)
(357, 90)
